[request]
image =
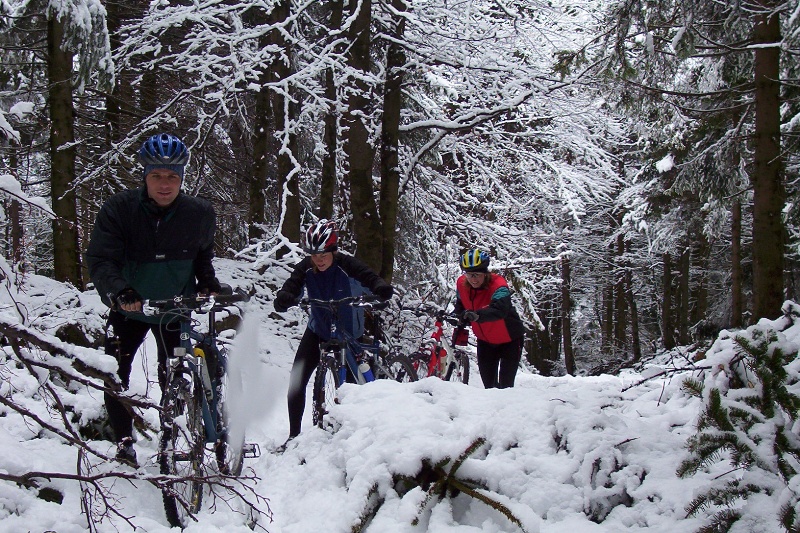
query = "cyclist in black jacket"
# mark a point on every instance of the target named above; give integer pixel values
(327, 275)
(153, 242)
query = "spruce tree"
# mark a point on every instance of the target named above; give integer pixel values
(750, 422)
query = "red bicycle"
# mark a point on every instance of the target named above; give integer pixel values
(440, 356)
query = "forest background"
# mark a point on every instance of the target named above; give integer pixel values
(631, 166)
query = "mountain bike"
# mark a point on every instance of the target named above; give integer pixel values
(344, 358)
(192, 404)
(442, 357)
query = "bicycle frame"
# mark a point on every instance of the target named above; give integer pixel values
(339, 354)
(196, 359)
(440, 351)
(341, 342)
(441, 358)
(195, 351)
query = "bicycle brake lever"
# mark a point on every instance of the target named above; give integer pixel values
(149, 310)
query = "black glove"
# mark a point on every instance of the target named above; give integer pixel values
(470, 316)
(384, 292)
(209, 286)
(283, 301)
(128, 296)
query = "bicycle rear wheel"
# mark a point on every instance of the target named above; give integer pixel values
(326, 386)
(181, 449)
(458, 371)
(401, 369)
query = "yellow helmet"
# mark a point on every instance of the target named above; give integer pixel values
(475, 260)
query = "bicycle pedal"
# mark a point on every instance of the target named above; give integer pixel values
(251, 450)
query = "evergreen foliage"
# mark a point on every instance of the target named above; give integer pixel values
(750, 423)
(438, 482)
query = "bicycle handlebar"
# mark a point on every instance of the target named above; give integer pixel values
(438, 313)
(367, 301)
(195, 302)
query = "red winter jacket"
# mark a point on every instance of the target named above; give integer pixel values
(498, 321)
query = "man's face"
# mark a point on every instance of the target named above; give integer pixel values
(163, 186)
(322, 261)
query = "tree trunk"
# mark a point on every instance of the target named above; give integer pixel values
(607, 330)
(390, 140)
(112, 119)
(683, 296)
(283, 110)
(620, 298)
(17, 235)
(262, 130)
(148, 89)
(554, 333)
(360, 151)
(327, 189)
(700, 288)
(736, 265)
(15, 232)
(769, 194)
(636, 342)
(537, 349)
(66, 263)
(256, 209)
(668, 332)
(566, 314)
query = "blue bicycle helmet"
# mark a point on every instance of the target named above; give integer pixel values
(475, 260)
(164, 150)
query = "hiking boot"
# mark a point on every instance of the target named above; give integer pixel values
(125, 452)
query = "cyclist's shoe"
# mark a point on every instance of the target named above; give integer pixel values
(282, 448)
(125, 452)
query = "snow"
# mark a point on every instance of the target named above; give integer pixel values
(562, 454)
(666, 164)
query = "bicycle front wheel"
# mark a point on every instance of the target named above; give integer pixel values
(458, 370)
(326, 387)
(229, 450)
(401, 369)
(181, 449)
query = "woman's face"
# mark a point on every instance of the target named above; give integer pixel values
(475, 279)
(322, 261)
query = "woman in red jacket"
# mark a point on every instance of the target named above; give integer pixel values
(485, 301)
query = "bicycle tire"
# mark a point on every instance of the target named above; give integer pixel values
(419, 361)
(181, 450)
(458, 371)
(326, 386)
(401, 369)
(230, 456)
(229, 461)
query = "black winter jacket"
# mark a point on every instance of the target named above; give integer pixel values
(347, 276)
(159, 252)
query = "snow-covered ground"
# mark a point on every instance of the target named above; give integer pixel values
(564, 455)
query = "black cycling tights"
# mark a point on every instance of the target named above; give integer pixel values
(124, 336)
(504, 357)
(306, 361)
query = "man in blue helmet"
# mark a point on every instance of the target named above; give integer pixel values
(153, 242)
